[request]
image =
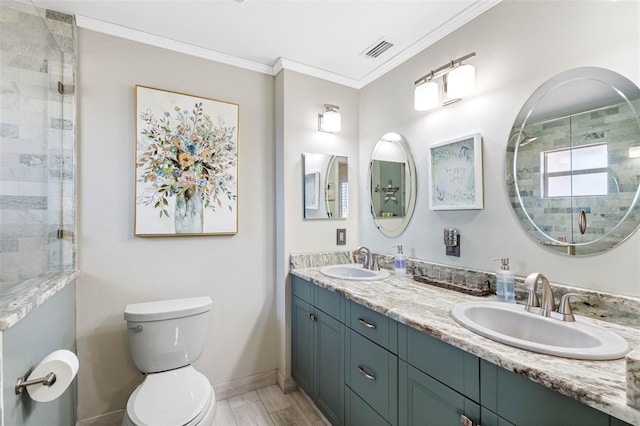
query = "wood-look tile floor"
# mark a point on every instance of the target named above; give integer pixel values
(268, 407)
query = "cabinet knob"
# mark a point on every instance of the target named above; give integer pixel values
(311, 316)
(366, 324)
(362, 371)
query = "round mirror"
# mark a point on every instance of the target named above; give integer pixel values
(573, 162)
(392, 184)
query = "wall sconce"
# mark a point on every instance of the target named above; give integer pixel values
(330, 121)
(634, 152)
(459, 81)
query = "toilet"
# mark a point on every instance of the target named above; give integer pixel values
(165, 338)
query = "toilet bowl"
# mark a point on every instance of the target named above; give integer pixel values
(165, 337)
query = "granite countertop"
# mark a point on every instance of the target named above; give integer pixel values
(599, 384)
(18, 301)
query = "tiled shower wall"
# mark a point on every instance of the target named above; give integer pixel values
(617, 126)
(37, 142)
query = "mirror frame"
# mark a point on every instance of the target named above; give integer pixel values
(622, 90)
(411, 181)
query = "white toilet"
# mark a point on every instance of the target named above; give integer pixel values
(165, 338)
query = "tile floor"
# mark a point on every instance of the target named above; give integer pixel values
(269, 406)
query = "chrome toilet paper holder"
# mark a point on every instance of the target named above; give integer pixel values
(22, 382)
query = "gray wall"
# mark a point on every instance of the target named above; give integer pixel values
(237, 272)
(519, 45)
(48, 328)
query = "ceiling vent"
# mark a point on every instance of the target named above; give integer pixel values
(378, 48)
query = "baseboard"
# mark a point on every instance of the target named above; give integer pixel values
(287, 385)
(110, 419)
(244, 385)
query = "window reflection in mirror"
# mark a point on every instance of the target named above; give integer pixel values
(326, 186)
(571, 175)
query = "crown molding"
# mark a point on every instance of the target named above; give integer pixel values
(451, 25)
(166, 43)
(288, 64)
(439, 33)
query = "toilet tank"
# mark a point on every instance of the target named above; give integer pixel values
(167, 334)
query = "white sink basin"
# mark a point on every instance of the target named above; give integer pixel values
(512, 325)
(353, 272)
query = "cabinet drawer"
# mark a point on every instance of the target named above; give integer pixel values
(357, 412)
(302, 289)
(458, 369)
(374, 326)
(372, 372)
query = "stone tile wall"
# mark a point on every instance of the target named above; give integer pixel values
(37, 142)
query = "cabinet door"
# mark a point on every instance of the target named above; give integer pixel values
(359, 413)
(425, 401)
(302, 345)
(329, 357)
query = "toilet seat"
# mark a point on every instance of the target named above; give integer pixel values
(177, 397)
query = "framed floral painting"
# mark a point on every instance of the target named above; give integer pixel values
(455, 174)
(186, 165)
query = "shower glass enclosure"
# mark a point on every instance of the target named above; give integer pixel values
(37, 144)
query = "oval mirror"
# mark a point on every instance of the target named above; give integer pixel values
(392, 184)
(573, 162)
(326, 186)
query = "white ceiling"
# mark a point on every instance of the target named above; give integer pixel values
(325, 39)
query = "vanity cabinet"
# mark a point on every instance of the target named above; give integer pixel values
(516, 399)
(361, 367)
(317, 342)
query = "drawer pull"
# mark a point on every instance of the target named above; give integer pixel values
(366, 324)
(311, 316)
(365, 374)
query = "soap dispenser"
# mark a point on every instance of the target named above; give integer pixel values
(505, 282)
(400, 263)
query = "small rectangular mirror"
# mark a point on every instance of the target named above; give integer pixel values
(325, 185)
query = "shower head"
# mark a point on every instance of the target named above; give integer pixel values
(526, 139)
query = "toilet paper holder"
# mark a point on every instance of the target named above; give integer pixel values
(22, 382)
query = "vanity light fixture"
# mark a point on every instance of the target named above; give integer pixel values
(330, 120)
(459, 81)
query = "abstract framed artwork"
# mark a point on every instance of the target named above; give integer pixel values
(455, 174)
(186, 165)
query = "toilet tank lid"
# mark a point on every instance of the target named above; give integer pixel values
(167, 309)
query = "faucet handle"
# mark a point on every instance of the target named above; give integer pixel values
(375, 262)
(564, 307)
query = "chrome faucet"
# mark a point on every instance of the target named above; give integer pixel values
(548, 307)
(368, 261)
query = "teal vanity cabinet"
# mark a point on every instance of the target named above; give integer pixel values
(361, 367)
(317, 342)
(508, 397)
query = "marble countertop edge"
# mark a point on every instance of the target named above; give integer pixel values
(19, 301)
(598, 384)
